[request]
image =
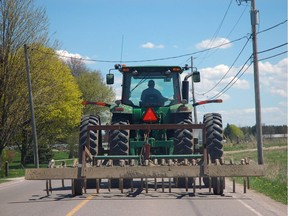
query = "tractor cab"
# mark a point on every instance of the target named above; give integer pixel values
(150, 86)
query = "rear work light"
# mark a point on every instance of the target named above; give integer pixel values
(149, 115)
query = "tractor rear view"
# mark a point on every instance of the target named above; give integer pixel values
(151, 135)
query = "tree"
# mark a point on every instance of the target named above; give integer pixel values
(76, 66)
(20, 23)
(56, 97)
(233, 133)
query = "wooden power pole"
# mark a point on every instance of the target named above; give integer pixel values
(35, 146)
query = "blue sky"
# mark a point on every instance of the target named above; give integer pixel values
(168, 29)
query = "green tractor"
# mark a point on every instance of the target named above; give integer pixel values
(152, 95)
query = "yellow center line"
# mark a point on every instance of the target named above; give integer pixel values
(79, 206)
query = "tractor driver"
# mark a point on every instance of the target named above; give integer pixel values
(152, 96)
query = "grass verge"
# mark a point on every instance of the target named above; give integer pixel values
(274, 183)
(17, 170)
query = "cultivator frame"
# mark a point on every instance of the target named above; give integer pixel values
(191, 166)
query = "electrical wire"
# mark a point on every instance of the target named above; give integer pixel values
(272, 27)
(216, 32)
(158, 59)
(233, 28)
(273, 56)
(145, 60)
(236, 77)
(234, 80)
(272, 48)
(229, 67)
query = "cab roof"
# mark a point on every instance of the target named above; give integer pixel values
(151, 69)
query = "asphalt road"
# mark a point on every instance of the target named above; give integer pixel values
(22, 197)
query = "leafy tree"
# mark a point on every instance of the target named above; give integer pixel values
(57, 101)
(233, 133)
(20, 23)
(76, 66)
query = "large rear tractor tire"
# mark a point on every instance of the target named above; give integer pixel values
(94, 143)
(214, 144)
(119, 145)
(183, 143)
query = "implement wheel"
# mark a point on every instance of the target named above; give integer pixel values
(94, 142)
(214, 144)
(119, 145)
(183, 143)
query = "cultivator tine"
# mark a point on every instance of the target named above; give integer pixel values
(132, 185)
(146, 185)
(155, 184)
(248, 183)
(163, 185)
(47, 188)
(194, 186)
(97, 186)
(85, 185)
(169, 185)
(200, 182)
(121, 185)
(210, 184)
(109, 185)
(234, 189)
(244, 185)
(218, 184)
(186, 184)
(132, 162)
(141, 184)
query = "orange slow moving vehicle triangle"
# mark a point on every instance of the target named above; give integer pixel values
(149, 115)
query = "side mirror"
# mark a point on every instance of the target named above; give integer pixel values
(196, 76)
(185, 90)
(109, 79)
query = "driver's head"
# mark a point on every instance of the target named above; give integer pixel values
(151, 83)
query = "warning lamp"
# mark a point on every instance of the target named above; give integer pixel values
(149, 115)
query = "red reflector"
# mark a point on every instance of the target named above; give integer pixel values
(183, 108)
(149, 115)
(119, 109)
(176, 69)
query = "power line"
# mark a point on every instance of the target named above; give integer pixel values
(216, 33)
(236, 77)
(145, 60)
(234, 80)
(273, 56)
(272, 48)
(157, 59)
(229, 67)
(272, 27)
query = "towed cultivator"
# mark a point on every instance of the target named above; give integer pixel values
(151, 137)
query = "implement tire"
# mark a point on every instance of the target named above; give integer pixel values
(119, 139)
(94, 136)
(119, 145)
(183, 143)
(214, 144)
(183, 138)
(214, 135)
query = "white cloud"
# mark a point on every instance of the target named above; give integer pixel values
(65, 55)
(150, 45)
(273, 78)
(221, 43)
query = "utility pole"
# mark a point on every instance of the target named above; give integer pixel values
(254, 23)
(193, 92)
(35, 146)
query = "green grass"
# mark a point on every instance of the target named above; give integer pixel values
(253, 145)
(17, 170)
(274, 183)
